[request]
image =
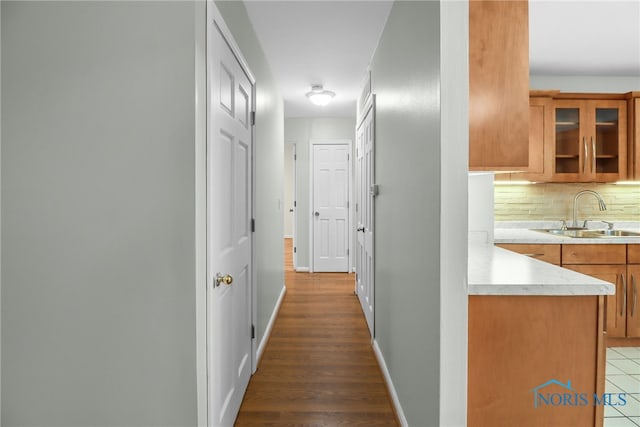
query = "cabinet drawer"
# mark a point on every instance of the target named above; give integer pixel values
(633, 254)
(594, 254)
(548, 253)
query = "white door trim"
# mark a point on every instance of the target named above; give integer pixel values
(295, 201)
(201, 211)
(205, 15)
(313, 142)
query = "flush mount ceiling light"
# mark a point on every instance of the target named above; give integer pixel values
(319, 96)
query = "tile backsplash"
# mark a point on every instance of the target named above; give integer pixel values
(555, 202)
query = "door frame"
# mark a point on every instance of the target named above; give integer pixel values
(294, 177)
(207, 18)
(349, 144)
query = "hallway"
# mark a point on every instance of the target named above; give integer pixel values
(318, 367)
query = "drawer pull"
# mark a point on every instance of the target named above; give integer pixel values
(533, 255)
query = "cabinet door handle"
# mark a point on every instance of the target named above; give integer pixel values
(635, 295)
(586, 154)
(593, 154)
(533, 255)
(624, 294)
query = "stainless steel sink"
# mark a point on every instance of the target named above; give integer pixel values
(586, 234)
(615, 233)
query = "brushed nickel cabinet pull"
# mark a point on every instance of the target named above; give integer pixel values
(593, 154)
(624, 295)
(635, 296)
(586, 154)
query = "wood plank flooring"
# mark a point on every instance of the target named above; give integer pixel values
(318, 368)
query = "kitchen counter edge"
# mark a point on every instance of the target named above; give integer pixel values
(497, 271)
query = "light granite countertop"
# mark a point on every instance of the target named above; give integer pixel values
(497, 271)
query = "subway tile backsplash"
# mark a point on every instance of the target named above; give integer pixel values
(555, 202)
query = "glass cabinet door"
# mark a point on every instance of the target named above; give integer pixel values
(605, 144)
(590, 140)
(567, 144)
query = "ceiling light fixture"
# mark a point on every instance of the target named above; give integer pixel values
(319, 96)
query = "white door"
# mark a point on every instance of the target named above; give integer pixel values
(330, 207)
(229, 234)
(365, 193)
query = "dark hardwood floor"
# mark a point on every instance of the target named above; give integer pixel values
(318, 368)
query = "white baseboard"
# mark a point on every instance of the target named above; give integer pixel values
(272, 320)
(302, 269)
(390, 387)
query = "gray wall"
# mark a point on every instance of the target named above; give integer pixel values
(98, 304)
(405, 74)
(301, 131)
(269, 142)
(613, 84)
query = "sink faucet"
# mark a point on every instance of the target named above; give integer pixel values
(601, 204)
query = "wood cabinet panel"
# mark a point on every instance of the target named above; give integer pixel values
(634, 136)
(633, 254)
(498, 85)
(543, 252)
(616, 305)
(519, 342)
(633, 300)
(594, 254)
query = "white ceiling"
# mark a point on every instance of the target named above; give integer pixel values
(331, 43)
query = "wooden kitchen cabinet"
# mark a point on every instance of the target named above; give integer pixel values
(543, 252)
(616, 313)
(498, 85)
(518, 342)
(620, 265)
(589, 141)
(633, 146)
(633, 254)
(540, 131)
(633, 290)
(615, 263)
(594, 254)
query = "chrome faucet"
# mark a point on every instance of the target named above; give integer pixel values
(601, 204)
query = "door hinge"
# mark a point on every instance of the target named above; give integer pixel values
(253, 225)
(295, 249)
(347, 204)
(295, 157)
(347, 251)
(253, 332)
(294, 203)
(253, 118)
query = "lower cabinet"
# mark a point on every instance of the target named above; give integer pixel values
(543, 252)
(633, 315)
(517, 343)
(615, 263)
(618, 320)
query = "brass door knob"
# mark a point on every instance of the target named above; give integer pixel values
(227, 279)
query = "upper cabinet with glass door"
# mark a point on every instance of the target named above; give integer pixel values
(590, 140)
